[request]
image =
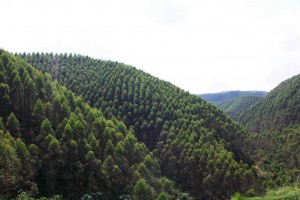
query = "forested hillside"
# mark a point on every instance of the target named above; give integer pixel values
(52, 143)
(223, 96)
(195, 144)
(236, 106)
(278, 110)
(274, 123)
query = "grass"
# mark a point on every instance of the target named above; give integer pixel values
(285, 193)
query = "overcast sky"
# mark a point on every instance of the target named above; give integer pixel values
(199, 45)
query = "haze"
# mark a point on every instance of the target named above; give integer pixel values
(200, 46)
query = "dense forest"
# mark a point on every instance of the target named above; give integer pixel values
(53, 143)
(274, 124)
(278, 110)
(85, 128)
(74, 127)
(188, 141)
(238, 105)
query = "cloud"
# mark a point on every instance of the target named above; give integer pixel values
(201, 46)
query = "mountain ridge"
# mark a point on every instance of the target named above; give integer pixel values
(226, 95)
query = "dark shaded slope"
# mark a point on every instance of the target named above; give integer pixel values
(197, 144)
(236, 106)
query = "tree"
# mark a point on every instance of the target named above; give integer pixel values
(30, 95)
(1, 124)
(38, 112)
(52, 165)
(40, 85)
(4, 99)
(45, 130)
(13, 125)
(109, 149)
(16, 92)
(10, 166)
(64, 110)
(163, 196)
(49, 111)
(142, 191)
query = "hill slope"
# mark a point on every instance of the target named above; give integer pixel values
(236, 106)
(51, 142)
(222, 96)
(274, 123)
(198, 146)
(280, 108)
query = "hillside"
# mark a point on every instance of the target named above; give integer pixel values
(223, 96)
(274, 123)
(52, 142)
(197, 145)
(280, 108)
(236, 106)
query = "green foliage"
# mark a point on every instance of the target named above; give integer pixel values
(1, 124)
(25, 196)
(285, 193)
(10, 165)
(163, 196)
(237, 196)
(236, 106)
(190, 138)
(250, 193)
(13, 125)
(55, 143)
(275, 138)
(278, 110)
(142, 191)
(38, 111)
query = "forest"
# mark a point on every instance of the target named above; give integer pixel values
(74, 127)
(235, 107)
(274, 126)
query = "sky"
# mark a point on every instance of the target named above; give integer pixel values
(202, 46)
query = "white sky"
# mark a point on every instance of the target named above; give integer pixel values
(199, 45)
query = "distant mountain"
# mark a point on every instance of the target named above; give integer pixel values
(222, 96)
(236, 106)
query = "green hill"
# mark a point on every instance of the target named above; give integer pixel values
(274, 123)
(280, 108)
(236, 106)
(52, 142)
(195, 143)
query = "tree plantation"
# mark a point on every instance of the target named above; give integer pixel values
(74, 127)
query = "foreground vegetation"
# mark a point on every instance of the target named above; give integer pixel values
(285, 193)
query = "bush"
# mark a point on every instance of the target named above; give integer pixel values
(250, 193)
(238, 196)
